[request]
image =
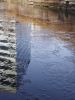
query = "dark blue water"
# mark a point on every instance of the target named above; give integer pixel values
(45, 57)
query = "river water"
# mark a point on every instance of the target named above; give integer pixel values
(45, 56)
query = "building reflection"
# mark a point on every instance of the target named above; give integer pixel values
(7, 54)
(23, 49)
(14, 53)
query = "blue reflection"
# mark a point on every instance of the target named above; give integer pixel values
(22, 49)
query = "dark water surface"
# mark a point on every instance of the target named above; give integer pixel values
(47, 45)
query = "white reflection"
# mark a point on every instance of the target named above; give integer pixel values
(8, 72)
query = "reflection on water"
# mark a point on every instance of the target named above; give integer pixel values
(52, 66)
(14, 53)
(23, 49)
(61, 21)
(7, 55)
(51, 72)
